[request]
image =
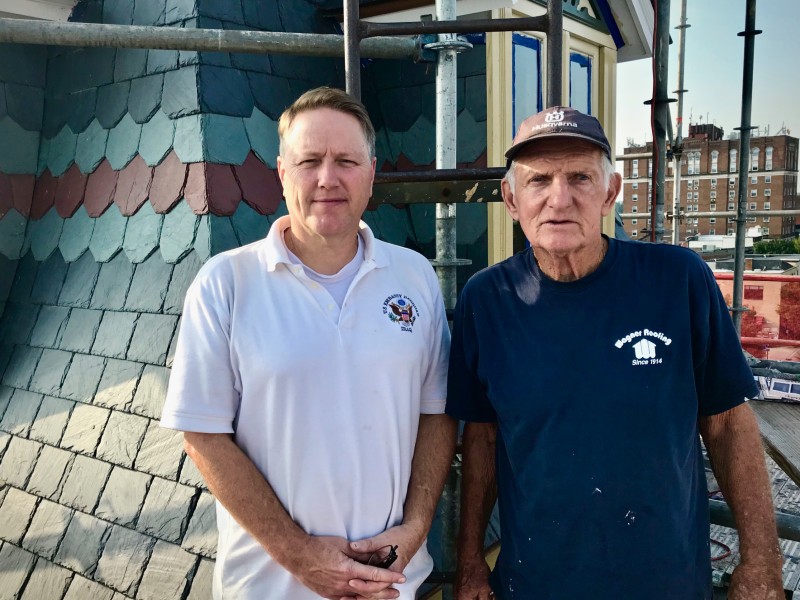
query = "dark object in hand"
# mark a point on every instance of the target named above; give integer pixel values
(383, 557)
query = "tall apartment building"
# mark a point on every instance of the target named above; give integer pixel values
(709, 182)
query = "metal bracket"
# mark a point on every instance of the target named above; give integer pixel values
(453, 262)
(449, 41)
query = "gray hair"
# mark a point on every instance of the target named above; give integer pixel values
(608, 171)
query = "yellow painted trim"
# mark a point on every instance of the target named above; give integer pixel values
(607, 110)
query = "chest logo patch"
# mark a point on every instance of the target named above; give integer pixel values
(645, 350)
(401, 309)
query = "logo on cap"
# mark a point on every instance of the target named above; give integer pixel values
(555, 116)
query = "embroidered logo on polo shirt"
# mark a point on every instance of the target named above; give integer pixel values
(401, 310)
(644, 350)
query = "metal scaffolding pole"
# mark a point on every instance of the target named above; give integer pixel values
(93, 35)
(352, 54)
(555, 52)
(749, 34)
(660, 118)
(677, 147)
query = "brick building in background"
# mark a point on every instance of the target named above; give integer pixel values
(709, 182)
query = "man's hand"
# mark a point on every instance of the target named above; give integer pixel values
(472, 579)
(755, 582)
(328, 566)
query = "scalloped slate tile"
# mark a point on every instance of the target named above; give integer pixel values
(180, 95)
(182, 276)
(112, 103)
(195, 191)
(225, 139)
(156, 139)
(248, 62)
(61, 152)
(221, 234)
(83, 105)
(159, 61)
(123, 143)
(202, 237)
(177, 233)
(142, 234)
(224, 91)
(419, 142)
(149, 285)
(44, 153)
(149, 13)
(178, 10)
(220, 187)
(109, 231)
(3, 107)
(219, 59)
(113, 283)
(249, 225)
(70, 191)
(100, 189)
(49, 326)
(118, 12)
(130, 64)
(80, 282)
(259, 184)
(271, 94)
(188, 142)
(44, 195)
(45, 234)
(24, 64)
(49, 280)
(21, 156)
(22, 187)
(168, 180)
(475, 92)
(472, 137)
(25, 104)
(133, 186)
(6, 200)
(91, 146)
(75, 235)
(145, 97)
(400, 107)
(12, 234)
(224, 10)
(262, 133)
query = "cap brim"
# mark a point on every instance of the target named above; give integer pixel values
(514, 150)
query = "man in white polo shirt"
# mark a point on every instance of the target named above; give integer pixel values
(310, 380)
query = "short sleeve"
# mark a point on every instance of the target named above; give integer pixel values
(203, 393)
(466, 393)
(434, 386)
(723, 378)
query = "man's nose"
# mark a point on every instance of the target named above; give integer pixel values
(328, 174)
(560, 194)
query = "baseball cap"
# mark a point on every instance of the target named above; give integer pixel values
(555, 122)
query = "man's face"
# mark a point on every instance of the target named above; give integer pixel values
(327, 173)
(560, 195)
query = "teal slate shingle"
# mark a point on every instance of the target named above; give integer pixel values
(248, 62)
(83, 377)
(182, 276)
(156, 139)
(149, 285)
(24, 278)
(91, 147)
(202, 238)
(248, 224)
(149, 12)
(188, 141)
(24, 64)
(81, 329)
(45, 233)
(123, 143)
(20, 413)
(419, 142)
(112, 103)
(145, 97)
(21, 367)
(142, 233)
(8, 268)
(21, 157)
(219, 59)
(50, 372)
(180, 95)
(151, 338)
(221, 234)
(262, 133)
(130, 64)
(118, 12)
(113, 283)
(3, 108)
(400, 107)
(471, 136)
(25, 105)
(224, 91)
(225, 139)
(61, 151)
(271, 94)
(118, 383)
(75, 235)
(159, 61)
(177, 232)
(50, 326)
(109, 230)
(49, 280)
(475, 91)
(178, 10)
(91, 68)
(82, 109)
(79, 284)
(223, 10)
(17, 323)
(114, 334)
(12, 234)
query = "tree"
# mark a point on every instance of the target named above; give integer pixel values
(789, 311)
(781, 246)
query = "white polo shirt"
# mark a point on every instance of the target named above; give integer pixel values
(325, 401)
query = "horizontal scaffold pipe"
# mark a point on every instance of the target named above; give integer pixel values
(370, 29)
(87, 35)
(722, 214)
(788, 524)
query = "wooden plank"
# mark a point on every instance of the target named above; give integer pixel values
(780, 428)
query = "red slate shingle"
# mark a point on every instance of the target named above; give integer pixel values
(260, 186)
(69, 191)
(133, 186)
(44, 195)
(169, 179)
(100, 189)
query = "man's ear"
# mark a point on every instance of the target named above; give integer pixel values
(509, 200)
(614, 186)
(281, 167)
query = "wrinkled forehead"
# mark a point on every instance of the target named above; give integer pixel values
(559, 150)
(320, 128)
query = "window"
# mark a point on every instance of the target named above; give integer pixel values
(754, 159)
(766, 219)
(712, 231)
(580, 82)
(634, 221)
(712, 220)
(714, 159)
(766, 205)
(753, 193)
(688, 195)
(752, 206)
(635, 198)
(753, 180)
(635, 167)
(731, 194)
(768, 158)
(732, 182)
(634, 233)
(730, 231)
(635, 186)
(635, 209)
(696, 196)
(713, 194)
(753, 292)
(768, 179)
(527, 77)
(732, 165)
(696, 221)
(730, 206)
(713, 183)
(768, 192)
(712, 206)
(650, 168)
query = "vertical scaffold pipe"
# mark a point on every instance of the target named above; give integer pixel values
(660, 119)
(749, 34)
(352, 50)
(555, 52)
(677, 148)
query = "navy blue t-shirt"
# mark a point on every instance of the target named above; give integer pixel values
(596, 386)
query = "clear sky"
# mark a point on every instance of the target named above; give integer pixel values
(714, 67)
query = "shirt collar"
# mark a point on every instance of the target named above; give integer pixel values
(276, 253)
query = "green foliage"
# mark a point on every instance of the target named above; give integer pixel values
(782, 246)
